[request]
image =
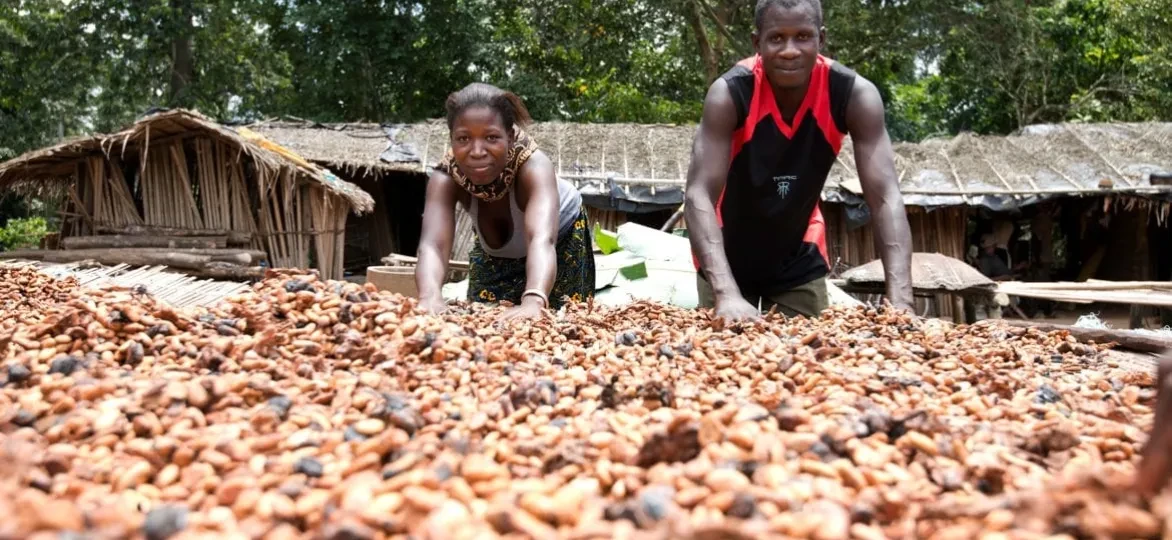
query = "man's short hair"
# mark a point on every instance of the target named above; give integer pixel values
(763, 5)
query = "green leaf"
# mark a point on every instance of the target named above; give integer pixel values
(634, 271)
(607, 241)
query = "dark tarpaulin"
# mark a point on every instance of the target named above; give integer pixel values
(632, 199)
(996, 203)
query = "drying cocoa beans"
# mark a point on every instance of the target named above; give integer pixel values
(313, 409)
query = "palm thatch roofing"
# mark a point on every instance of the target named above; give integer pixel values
(56, 165)
(1039, 162)
(351, 147)
(631, 153)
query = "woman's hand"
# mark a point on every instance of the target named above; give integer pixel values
(433, 305)
(531, 308)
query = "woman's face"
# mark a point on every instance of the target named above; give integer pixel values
(480, 144)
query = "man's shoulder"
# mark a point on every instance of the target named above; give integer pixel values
(839, 69)
(740, 72)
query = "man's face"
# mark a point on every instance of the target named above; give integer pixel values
(789, 41)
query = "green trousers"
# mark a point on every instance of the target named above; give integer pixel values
(808, 299)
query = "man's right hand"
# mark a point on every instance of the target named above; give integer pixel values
(1155, 468)
(433, 305)
(733, 308)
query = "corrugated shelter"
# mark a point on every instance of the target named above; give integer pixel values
(182, 171)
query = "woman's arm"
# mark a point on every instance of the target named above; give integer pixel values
(537, 196)
(435, 241)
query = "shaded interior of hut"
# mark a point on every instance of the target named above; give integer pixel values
(1076, 240)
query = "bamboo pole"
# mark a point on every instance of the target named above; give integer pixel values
(96, 184)
(316, 205)
(127, 212)
(341, 213)
(179, 160)
(276, 256)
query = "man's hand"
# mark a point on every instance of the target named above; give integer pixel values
(1155, 467)
(734, 308)
(433, 304)
(530, 308)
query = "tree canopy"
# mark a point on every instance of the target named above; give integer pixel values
(69, 67)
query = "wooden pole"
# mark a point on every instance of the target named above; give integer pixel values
(227, 264)
(1125, 339)
(233, 237)
(153, 241)
(958, 308)
(675, 217)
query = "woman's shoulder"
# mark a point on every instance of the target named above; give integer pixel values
(538, 163)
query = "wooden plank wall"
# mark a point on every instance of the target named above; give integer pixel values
(608, 219)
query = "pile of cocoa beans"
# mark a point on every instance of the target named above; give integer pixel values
(313, 409)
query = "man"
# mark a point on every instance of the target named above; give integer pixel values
(771, 129)
(1155, 468)
(990, 263)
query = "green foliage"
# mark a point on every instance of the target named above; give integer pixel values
(606, 241)
(23, 233)
(69, 67)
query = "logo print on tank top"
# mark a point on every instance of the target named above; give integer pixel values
(783, 183)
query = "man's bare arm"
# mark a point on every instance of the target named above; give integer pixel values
(706, 177)
(876, 167)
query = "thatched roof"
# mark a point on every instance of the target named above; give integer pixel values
(1043, 160)
(57, 164)
(630, 153)
(349, 147)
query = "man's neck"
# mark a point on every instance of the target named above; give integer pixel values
(789, 100)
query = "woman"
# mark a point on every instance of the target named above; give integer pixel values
(533, 247)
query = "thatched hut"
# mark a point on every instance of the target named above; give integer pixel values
(181, 172)
(352, 152)
(951, 179)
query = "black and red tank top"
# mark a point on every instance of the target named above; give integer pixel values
(774, 235)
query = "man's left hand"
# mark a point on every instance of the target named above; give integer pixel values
(530, 308)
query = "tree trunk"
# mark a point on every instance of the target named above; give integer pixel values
(707, 56)
(182, 54)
